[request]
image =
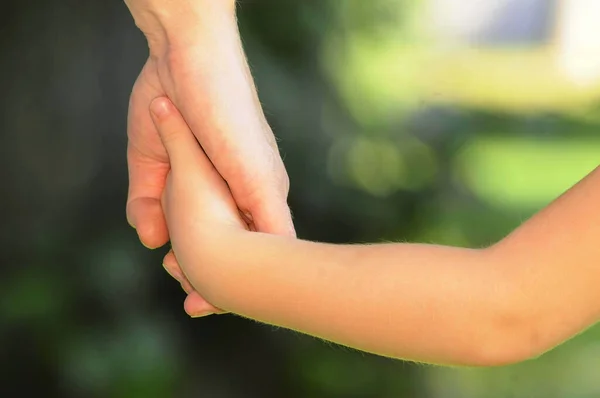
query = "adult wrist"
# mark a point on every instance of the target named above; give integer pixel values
(179, 23)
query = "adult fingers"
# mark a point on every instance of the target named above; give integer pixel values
(229, 123)
(148, 168)
(144, 211)
(270, 213)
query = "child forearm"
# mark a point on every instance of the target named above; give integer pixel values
(508, 303)
(444, 305)
(418, 302)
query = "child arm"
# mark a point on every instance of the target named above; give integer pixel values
(508, 303)
(426, 303)
(419, 302)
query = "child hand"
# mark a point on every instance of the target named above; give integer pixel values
(196, 199)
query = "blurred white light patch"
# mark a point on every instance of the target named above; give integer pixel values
(518, 172)
(451, 19)
(491, 22)
(579, 40)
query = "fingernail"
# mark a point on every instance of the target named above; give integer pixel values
(186, 287)
(144, 243)
(159, 107)
(201, 315)
(174, 276)
(131, 224)
(146, 246)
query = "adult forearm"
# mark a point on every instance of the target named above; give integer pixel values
(418, 302)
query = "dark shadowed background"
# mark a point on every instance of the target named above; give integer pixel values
(397, 119)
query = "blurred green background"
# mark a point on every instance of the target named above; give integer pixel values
(439, 121)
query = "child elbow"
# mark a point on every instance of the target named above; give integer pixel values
(510, 342)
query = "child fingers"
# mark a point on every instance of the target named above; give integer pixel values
(179, 141)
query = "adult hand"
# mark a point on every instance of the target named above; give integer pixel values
(196, 59)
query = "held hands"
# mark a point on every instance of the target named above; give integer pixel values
(197, 61)
(196, 202)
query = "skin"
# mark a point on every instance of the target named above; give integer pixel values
(196, 59)
(444, 305)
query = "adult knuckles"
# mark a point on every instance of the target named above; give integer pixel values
(266, 186)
